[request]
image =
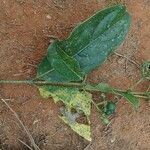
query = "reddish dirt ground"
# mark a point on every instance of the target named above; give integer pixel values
(26, 27)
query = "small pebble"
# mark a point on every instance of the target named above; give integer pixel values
(113, 140)
(48, 17)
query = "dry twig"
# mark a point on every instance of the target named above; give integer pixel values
(21, 123)
(130, 60)
(25, 144)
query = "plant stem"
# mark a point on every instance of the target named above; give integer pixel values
(140, 93)
(96, 106)
(136, 84)
(81, 86)
(140, 96)
(40, 83)
(16, 82)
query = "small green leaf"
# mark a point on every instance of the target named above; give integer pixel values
(81, 129)
(105, 88)
(146, 70)
(131, 98)
(105, 119)
(102, 87)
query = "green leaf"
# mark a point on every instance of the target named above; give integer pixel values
(131, 98)
(95, 39)
(71, 97)
(102, 87)
(104, 118)
(105, 88)
(146, 70)
(81, 129)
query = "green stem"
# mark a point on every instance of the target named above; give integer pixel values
(96, 106)
(81, 86)
(40, 83)
(16, 82)
(132, 92)
(140, 96)
(141, 93)
(136, 84)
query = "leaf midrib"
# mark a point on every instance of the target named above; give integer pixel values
(70, 68)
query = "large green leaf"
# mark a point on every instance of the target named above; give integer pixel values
(87, 47)
(95, 39)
